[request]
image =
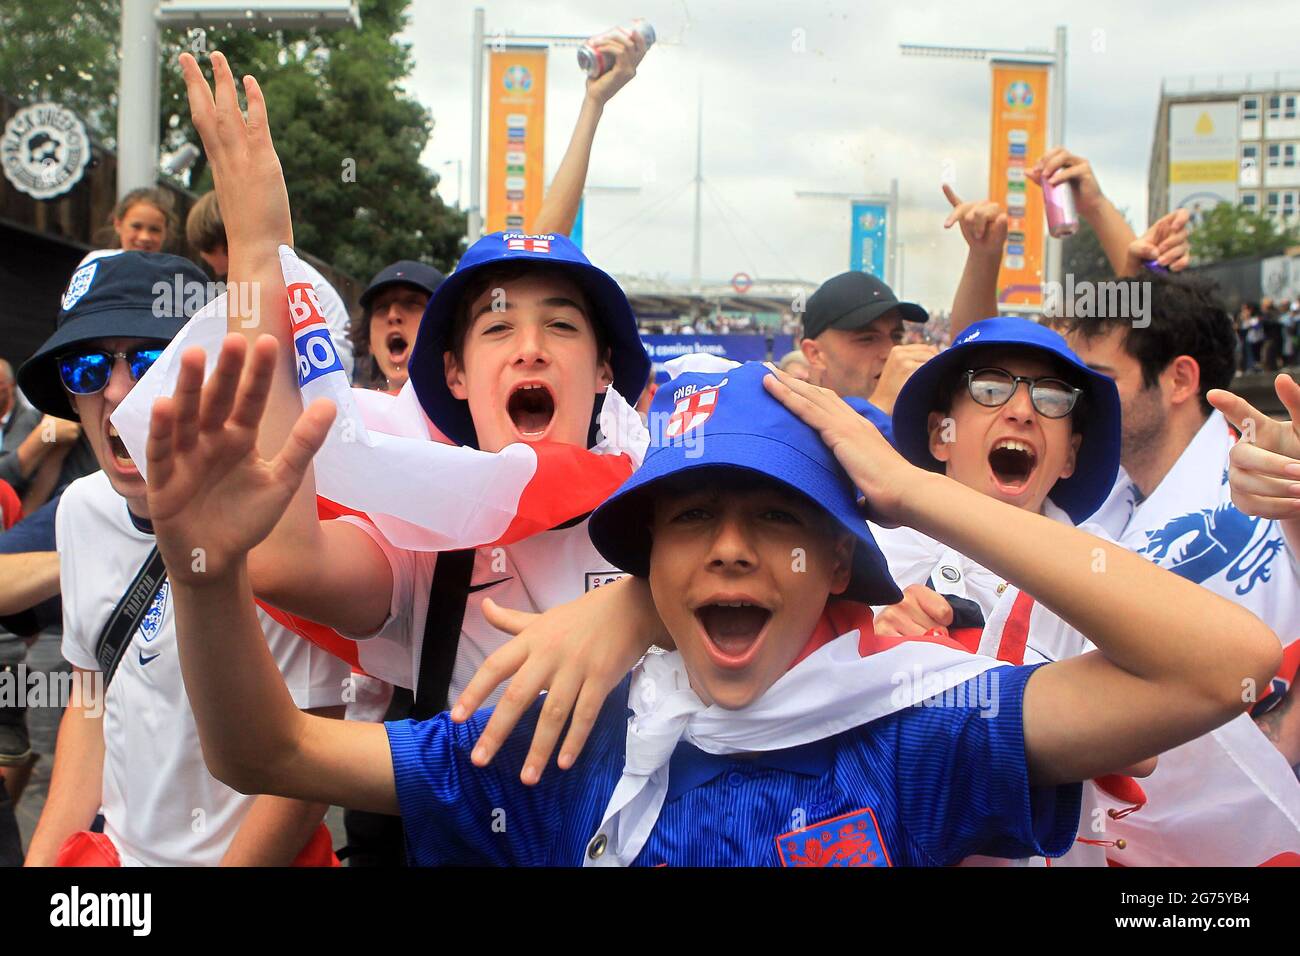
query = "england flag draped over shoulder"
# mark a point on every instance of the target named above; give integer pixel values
(1227, 798)
(384, 459)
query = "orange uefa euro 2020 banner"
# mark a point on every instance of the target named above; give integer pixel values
(516, 127)
(1018, 139)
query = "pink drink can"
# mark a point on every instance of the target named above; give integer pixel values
(1058, 201)
(597, 63)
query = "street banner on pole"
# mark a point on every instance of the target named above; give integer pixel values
(1018, 138)
(868, 241)
(516, 143)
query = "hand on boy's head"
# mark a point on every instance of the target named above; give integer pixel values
(246, 172)
(873, 465)
(211, 497)
(922, 609)
(1264, 465)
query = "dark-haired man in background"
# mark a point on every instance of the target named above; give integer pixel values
(1172, 502)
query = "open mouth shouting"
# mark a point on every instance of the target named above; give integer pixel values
(398, 347)
(121, 457)
(1012, 463)
(531, 408)
(734, 628)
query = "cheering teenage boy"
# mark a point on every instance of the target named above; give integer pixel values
(515, 347)
(745, 535)
(136, 759)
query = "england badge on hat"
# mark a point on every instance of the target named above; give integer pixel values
(520, 243)
(79, 284)
(693, 411)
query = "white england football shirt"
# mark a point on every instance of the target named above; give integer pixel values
(161, 806)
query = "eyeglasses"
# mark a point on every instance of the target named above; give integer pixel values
(88, 371)
(1051, 397)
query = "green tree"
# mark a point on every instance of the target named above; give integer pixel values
(64, 51)
(349, 137)
(1230, 232)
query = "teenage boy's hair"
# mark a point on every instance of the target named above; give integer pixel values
(507, 272)
(1187, 317)
(204, 227)
(979, 358)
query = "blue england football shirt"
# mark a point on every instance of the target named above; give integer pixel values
(926, 786)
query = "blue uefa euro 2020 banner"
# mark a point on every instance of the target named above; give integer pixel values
(867, 243)
(738, 348)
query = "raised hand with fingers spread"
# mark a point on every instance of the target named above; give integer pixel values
(245, 168)
(211, 496)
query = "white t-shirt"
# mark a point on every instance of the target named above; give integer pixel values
(161, 806)
(535, 574)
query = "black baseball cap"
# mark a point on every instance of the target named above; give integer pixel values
(402, 272)
(136, 295)
(851, 300)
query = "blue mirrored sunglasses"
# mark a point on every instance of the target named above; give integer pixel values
(87, 371)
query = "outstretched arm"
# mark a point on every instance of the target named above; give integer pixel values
(328, 572)
(560, 206)
(1176, 660)
(213, 497)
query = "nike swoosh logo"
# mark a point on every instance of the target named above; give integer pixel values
(146, 660)
(479, 587)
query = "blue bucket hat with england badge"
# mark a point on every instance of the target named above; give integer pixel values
(727, 420)
(631, 364)
(144, 295)
(1097, 461)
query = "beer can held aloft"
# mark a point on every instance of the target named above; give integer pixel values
(597, 62)
(1058, 201)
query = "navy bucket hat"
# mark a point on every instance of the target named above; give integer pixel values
(727, 420)
(631, 364)
(137, 295)
(1097, 462)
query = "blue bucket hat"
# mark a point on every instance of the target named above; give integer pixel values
(135, 295)
(628, 358)
(728, 420)
(1097, 462)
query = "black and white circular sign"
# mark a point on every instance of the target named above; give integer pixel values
(44, 150)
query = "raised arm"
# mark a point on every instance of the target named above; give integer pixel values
(1176, 660)
(984, 227)
(212, 497)
(332, 573)
(560, 205)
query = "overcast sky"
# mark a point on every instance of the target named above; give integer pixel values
(846, 115)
